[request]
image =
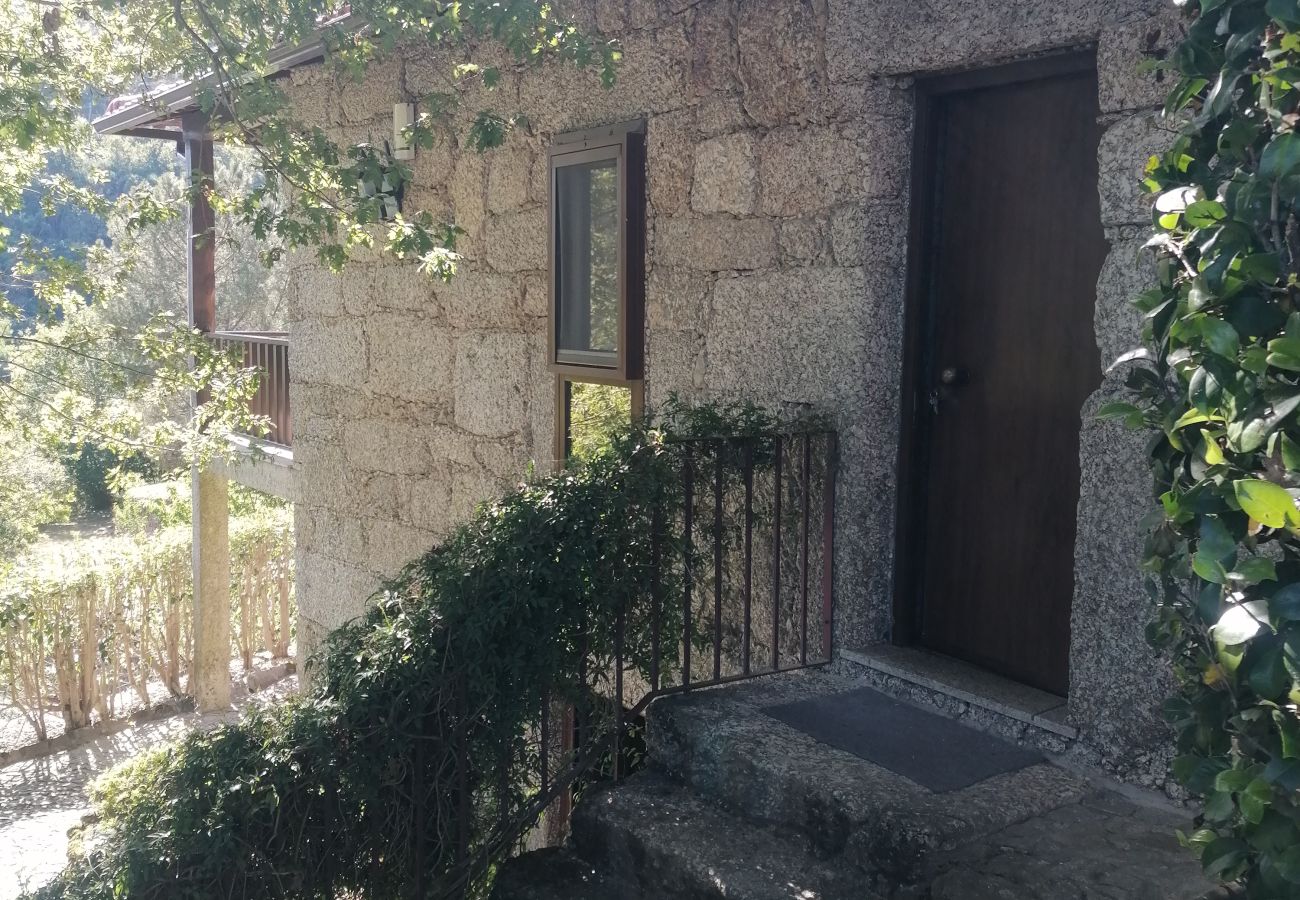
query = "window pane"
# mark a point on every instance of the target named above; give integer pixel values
(596, 412)
(586, 256)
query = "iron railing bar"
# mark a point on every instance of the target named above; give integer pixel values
(776, 557)
(544, 766)
(805, 526)
(672, 690)
(717, 561)
(619, 626)
(656, 590)
(828, 542)
(749, 556)
(688, 490)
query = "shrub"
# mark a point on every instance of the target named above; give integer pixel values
(94, 471)
(102, 620)
(1219, 393)
(34, 491)
(412, 766)
(147, 507)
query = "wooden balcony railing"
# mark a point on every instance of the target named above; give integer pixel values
(267, 352)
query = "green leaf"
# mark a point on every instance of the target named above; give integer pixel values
(1199, 296)
(1204, 213)
(1290, 454)
(1254, 569)
(1192, 417)
(1255, 801)
(1215, 540)
(1240, 623)
(1285, 602)
(1233, 780)
(1261, 267)
(1267, 503)
(1289, 728)
(1281, 157)
(1224, 856)
(1284, 353)
(1211, 450)
(1285, 11)
(1198, 773)
(1117, 410)
(1220, 336)
(1219, 807)
(1267, 675)
(1283, 772)
(1288, 864)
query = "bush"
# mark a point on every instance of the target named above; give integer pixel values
(411, 767)
(94, 471)
(34, 491)
(1219, 395)
(144, 508)
(99, 623)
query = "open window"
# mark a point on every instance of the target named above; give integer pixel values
(590, 413)
(597, 253)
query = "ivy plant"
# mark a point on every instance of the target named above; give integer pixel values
(411, 765)
(1218, 385)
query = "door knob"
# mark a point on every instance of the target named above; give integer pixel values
(953, 376)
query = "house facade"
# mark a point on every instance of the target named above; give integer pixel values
(920, 220)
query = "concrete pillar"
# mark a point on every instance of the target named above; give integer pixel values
(209, 682)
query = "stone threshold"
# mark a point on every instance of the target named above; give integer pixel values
(967, 683)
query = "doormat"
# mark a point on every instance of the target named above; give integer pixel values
(932, 750)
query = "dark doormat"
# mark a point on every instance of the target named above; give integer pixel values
(934, 751)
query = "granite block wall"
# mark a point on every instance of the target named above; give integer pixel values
(779, 148)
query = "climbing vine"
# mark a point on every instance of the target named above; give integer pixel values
(1218, 384)
(414, 764)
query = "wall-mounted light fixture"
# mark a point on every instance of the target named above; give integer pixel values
(403, 118)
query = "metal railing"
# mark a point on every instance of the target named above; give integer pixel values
(754, 564)
(268, 352)
(728, 565)
(751, 555)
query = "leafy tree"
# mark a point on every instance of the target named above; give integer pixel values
(251, 293)
(34, 490)
(111, 167)
(1219, 385)
(309, 192)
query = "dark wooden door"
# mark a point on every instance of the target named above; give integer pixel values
(1013, 254)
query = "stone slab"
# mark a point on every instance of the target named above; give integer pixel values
(557, 874)
(672, 844)
(966, 682)
(723, 744)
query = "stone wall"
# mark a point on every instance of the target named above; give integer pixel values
(779, 142)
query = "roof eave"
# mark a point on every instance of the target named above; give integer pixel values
(144, 117)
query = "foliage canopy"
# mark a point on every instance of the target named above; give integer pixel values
(311, 193)
(1219, 387)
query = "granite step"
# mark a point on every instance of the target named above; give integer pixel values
(558, 874)
(673, 845)
(885, 827)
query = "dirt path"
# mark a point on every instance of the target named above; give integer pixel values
(40, 799)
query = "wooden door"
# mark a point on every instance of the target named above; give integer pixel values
(1013, 249)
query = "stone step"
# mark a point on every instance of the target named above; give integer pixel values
(885, 827)
(557, 874)
(673, 845)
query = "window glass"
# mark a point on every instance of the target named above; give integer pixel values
(594, 413)
(586, 259)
